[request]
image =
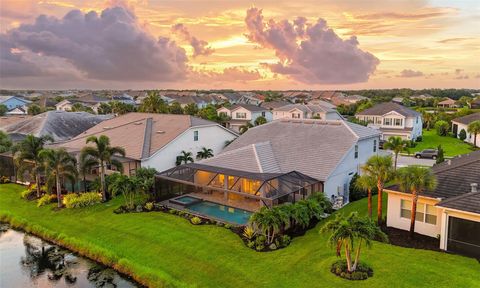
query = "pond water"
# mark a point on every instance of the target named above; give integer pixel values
(28, 261)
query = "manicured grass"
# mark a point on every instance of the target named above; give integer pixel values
(451, 146)
(166, 250)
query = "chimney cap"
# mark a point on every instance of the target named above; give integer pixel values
(474, 187)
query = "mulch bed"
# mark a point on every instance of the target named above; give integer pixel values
(402, 238)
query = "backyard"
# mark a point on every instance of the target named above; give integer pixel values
(451, 146)
(164, 250)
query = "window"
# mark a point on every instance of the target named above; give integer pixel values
(374, 145)
(356, 151)
(425, 212)
(417, 119)
(195, 135)
(263, 114)
(296, 115)
(387, 121)
(398, 122)
(241, 115)
(224, 114)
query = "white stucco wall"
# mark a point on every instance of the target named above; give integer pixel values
(343, 173)
(470, 137)
(213, 137)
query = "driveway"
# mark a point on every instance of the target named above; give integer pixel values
(409, 160)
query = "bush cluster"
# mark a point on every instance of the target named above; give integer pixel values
(31, 192)
(74, 200)
(4, 180)
(46, 199)
(362, 272)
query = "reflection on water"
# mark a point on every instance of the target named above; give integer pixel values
(28, 261)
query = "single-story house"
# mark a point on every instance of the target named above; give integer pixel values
(13, 102)
(461, 123)
(451, 212)
(474, 104)
(281, 161)
(447, 103)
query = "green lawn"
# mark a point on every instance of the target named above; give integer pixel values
(166, 250)
(451, 146)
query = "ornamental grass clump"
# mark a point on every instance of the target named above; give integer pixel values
(81, 200)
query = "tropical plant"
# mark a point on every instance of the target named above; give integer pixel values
(146, 179)
(153, 103)
(346, 231)
(46, 199)
(196, 220)
(367, 183)
(474, 128)
(26, 155)
(87, 162)
(260, 120)
(415, 180)
(128, 187)
(440, 156)
(380, 168)
(205, 153)
(59, 165)
(102, 153)
(442, 127)
(104, 108)
(191, 109)
(244, 128)
(74, 200)
(397, 145)
(269, 221)
(462, 135)
(428, 119)
(184, 157)
(34, 109)
(249, 232)
(5, 142)
(3, 109)
(175, 108)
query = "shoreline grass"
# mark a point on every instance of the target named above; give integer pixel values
(162, 250)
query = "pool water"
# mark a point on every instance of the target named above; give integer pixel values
(221, 212)
(185, 200)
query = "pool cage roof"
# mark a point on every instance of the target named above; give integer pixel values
(275, 184)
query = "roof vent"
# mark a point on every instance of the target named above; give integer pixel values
(138, 123)
(474, 187)
(106, 127)
(160, 132)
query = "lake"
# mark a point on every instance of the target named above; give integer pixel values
(28, 261)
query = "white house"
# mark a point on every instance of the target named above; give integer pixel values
(451, 212)
(241, 114)
(302, 111)
(393, 119)
(329, 151)
(462, 123)
(155, 140)
(64, 105)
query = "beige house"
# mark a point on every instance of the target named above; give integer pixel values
(241, 114)
(451, 212)
(302, 111)
(447, 103)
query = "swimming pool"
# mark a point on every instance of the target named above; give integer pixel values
(221, 212)
(185, 200)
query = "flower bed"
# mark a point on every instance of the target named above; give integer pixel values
(362, 271)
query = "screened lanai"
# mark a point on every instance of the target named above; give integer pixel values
(240, 189)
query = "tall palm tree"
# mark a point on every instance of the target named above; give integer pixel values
(26, 155)
(397, 145)
(59, 164)
(205, 153)
(153, 103)
(102, 153)
(345, 231)
(380, 168)
(268, 221)
(367, 183)
(474, 128)
(244, 128)
(428, 119)
(184, 157)
(85, 165)
(415, 179)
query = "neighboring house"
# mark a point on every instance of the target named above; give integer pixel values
(18, 111)
(65, 105)
(462, 123)
(393, 119)
(451, 212)
(274, 104)
(155, 140)
(60, 125)
(251, 99)
(124, 98)
(185, 100)
(90, 101)
(241, 114)
(422, 97)
(325, 154)
(474, 104)
(232, 97)
(8, 120)
(447, 103)
(12, 102)
(302, 111)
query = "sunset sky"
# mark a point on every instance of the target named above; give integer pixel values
(332, 44)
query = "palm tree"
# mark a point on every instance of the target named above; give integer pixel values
(397, 145)
(260, 121)
(379, 168)
(366, 182)
(415, 179)
(474, 128)
(5, 142)
(268, 222)
(244, 128)
(153, 103)
(59, 164)
(85, 165)
(102, 153)
(205, 153)
(428, 119)
(26, 155)
(184, 157)
(345, 231)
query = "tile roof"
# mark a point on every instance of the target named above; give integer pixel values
(305, 108)
(311, 147)
(467, 119)
(249, 107)
(386, 107)
(140, 134)
(469, 202)
(12, 119)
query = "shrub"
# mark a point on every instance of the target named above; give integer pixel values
(419, 139)
(28, 194)
(228, 226)
(172, 211)
(249, 232)
(273, 246)
(196, 221)
(4, 180)
(149, 206)
(462, 135)
(260, 247)
(251, 244)
(362, 272)
(261, 240)
(81, 200)
(285, 240)
(46, 199)
(442, 127)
